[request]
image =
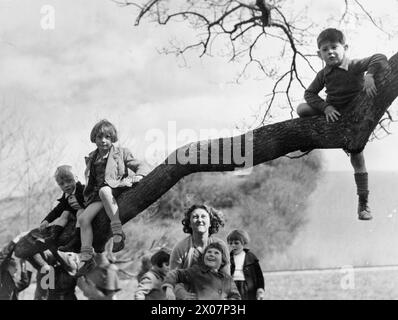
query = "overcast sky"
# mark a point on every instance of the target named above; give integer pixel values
(95, 64)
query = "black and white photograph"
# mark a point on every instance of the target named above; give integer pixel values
(198, 150)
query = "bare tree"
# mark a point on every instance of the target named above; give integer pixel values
(27, 159)
(247, 29)
(36, 174)
(9, 137)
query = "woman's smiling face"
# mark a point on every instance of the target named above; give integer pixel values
(200, 221)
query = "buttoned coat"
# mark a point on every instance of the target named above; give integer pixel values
(121, 166)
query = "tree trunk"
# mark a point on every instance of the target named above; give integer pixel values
(266, 143)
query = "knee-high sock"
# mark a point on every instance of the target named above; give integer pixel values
(361, 180)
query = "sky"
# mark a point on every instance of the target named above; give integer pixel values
(96, 64)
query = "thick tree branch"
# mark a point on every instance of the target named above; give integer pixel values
(263, 144)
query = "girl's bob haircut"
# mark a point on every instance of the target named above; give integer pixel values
(104, 127)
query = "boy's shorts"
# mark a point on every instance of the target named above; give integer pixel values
(116, 192)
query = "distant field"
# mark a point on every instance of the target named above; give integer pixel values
(334, 237)
(375, 284)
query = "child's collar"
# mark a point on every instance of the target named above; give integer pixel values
(73, 192)
(99, 156)
(158, 272)
(343, 65)
(206, 269)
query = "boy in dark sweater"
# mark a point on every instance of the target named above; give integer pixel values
(343, 79)
(71, 203)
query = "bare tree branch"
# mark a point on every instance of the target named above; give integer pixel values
(371, 18)
(244, 24)
(239, 21)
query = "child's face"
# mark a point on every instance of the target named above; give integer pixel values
(12, 270)
(165, 267)
(213, 258)
(236, 246)
(200, 221)
(103, 142)
(332, 53)
(67, 185)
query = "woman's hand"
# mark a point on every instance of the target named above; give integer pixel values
(190, 296)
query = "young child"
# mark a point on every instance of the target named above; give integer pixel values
(71, 202)
(10, 286)
(205, 279)
(110, 171)
(149, 286)
(343, 79)
(245, 269)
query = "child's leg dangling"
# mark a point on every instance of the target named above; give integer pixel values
(87, 251)
(361, 181)
(112, 210)
(75, 243)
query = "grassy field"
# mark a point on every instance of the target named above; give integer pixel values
(366, 284)
(378, 284)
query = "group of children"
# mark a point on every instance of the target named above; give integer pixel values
(206, 280)
(111, 170)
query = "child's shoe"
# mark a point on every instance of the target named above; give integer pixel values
(54, 233)
(118, 246)
(363, 209)
(86, 267)
(74, 244)
(38, 236)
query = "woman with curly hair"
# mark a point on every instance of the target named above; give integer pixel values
(200, 222)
